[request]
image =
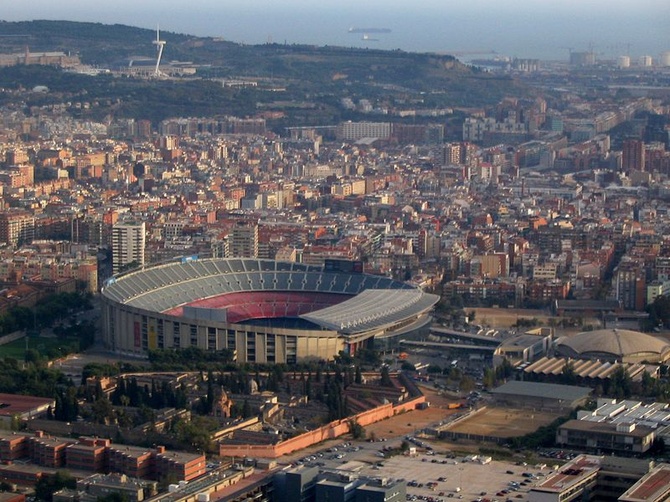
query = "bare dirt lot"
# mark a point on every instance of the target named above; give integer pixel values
(506, 318)
(408, 423)
(503, 422)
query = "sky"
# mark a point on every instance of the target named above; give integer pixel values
(545, 29)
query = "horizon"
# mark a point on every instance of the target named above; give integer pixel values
(531, 29)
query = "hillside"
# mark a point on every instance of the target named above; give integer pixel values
(314, 78)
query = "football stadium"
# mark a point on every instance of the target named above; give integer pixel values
(262, 310)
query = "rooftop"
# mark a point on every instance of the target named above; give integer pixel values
(652, 487)
(606, 427)
(543, 390)
(13, 404)
(581, 468)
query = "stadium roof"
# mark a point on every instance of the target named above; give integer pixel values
(542, 390)
(372, 308)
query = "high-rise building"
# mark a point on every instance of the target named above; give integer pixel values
(128, 242)
(633, 155)
(630, 285)
(451, 154)
(16, 227)
(244, 240)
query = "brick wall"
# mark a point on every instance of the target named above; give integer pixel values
(331, 430)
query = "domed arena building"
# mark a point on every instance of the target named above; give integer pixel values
(614, 345)
(262, 310)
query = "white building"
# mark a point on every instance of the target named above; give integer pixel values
(128, 244)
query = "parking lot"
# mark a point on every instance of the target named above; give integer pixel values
(436, 477)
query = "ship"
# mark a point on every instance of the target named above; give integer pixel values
(369, 30)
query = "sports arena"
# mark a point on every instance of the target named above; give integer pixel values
(263, 310)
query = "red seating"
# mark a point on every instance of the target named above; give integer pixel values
(245, 305)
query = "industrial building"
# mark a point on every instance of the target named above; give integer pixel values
(604, 479)
(540, 396)
(617, 426)
(309, 484)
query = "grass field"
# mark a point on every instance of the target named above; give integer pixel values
(504, 422)
(44, 345)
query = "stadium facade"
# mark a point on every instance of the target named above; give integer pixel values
(262, 310)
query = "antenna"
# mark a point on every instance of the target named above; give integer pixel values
(160, 44)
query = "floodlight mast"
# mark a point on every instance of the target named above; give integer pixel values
(160, 44)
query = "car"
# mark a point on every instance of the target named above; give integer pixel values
(509, 472)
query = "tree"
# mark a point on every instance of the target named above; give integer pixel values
(196, 434)
(102, 411)
(620, 384)
(407, 366)
(356, 429)
(48, 485)
(209, 399)
(114, 497)
(657, 447)
(385, 380)
(648, 384)
(489, 380)
(568, 375)
(467, 384)
(246, 409)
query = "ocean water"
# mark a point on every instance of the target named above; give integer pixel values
(516, 28)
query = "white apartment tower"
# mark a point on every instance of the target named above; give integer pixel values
(128, 242)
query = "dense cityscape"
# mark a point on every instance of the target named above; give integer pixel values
(369, 286)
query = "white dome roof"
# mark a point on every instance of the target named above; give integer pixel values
(615, 343)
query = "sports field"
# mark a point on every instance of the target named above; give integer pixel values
(44, 345)
(503, 422)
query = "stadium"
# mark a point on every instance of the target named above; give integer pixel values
(262, 310)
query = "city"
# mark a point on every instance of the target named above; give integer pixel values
(330, 273)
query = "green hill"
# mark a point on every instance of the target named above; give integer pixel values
(314, 78)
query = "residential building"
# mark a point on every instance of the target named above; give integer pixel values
(128, 244)
(16, 227)
(244, 240)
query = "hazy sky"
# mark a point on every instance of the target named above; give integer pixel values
(523, 28)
